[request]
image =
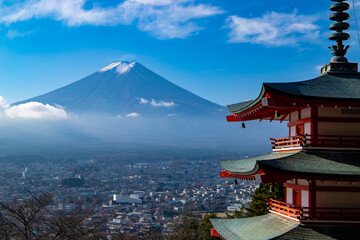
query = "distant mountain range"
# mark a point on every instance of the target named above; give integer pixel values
(125, 88)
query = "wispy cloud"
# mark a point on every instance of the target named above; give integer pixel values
(155, 103)
(164, 19)
(161, 103)
(273, 29)
(31, 110)
(134, 114)
(143, 101)
(11, 34)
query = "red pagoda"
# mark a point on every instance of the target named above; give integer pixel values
(319, 162)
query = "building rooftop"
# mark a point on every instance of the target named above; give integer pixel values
(326, 87)
(319, 163)
(325, 232)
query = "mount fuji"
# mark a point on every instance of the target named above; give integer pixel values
(124, 105)
(125, 88)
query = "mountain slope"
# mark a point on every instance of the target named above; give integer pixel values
(123, 88)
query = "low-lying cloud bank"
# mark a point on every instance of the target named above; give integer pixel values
(32, 110)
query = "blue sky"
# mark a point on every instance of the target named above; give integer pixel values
(221, 50)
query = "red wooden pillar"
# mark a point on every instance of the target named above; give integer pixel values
(314, 125)
(312, 198)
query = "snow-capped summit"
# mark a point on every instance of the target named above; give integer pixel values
(121, 67)
(128, 87)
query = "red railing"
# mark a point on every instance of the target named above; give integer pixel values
(319, 213)
(284, 208)
(299, 141)
(286, 143)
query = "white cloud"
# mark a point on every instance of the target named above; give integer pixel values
(273, 29)
(134, 114)
(161, 103)
(143, 101)
(31, 110)
(3, 103)
(164, 19)
(155, 103)
(11, 34)
(153, 2)
(171, 115)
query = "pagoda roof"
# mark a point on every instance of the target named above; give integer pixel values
(324, 232)
(255, 228)
(271, 226)
(326, 87)
(304, 162)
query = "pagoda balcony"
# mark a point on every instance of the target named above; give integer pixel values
(315, 141)
(298, 213)
(284, 209)
(288, 143)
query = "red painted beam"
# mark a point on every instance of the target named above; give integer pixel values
(225, 174)
(214, 233)
(296, 187)
(299, 122)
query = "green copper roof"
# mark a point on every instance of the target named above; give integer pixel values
(302, 162)
(254, 228)
(248, 166)
(235, 107)
(324, 232)
(327, 87)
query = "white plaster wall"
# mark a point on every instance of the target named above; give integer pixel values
(289, 195)
(338, 199)
(305, 113)
(307, 128)
(304, 198)
(343, 129)
(294, 116)
(303, 182)
(292, 131)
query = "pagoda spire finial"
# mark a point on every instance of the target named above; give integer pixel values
(339, 63)
(339, 50)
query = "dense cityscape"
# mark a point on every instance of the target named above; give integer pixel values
(139, 196)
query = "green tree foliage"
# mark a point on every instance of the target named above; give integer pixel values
(32, 219)
(190, 227)
(205, 227)
(258, 205)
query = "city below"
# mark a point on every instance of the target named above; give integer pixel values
(139, 195)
